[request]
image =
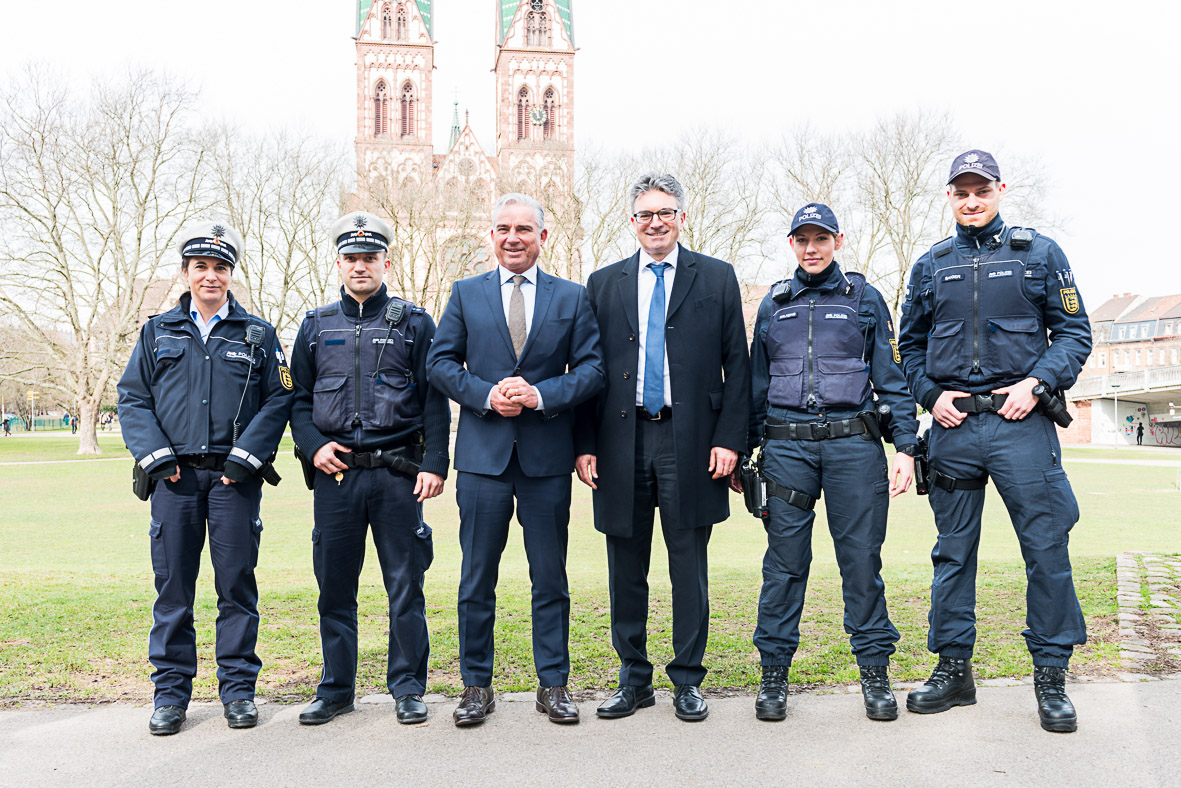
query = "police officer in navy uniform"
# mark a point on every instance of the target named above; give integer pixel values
(823, 348)
(203, 404)
(363, 410)
(991, 314)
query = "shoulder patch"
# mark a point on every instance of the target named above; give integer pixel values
(1070, 300)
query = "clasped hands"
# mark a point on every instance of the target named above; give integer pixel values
(1020, 404)
(511, 395)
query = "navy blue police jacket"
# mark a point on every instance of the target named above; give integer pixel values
(881, 355)
(435, 422)
(178, 395)
(1046, 286)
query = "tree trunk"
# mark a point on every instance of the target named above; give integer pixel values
(88, 426)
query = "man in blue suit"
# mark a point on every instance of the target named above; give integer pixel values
(517, 349)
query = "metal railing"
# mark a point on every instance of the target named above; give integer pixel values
(1158, 379)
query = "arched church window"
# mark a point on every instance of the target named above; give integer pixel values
(381, 110)
(550, 128)
(385, 23)
(523, 114)
(408, 110)
(537, 27)
(403, 33)
(531, 29)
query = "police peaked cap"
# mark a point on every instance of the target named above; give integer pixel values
(360, 232)
(216, 240)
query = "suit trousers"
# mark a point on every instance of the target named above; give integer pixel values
(181, 511)
(1024, 460)
(629, 558)
(344, 511)
(486, 506)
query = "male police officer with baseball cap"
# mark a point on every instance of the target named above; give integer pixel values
(203, 404)
(976, 352)
(376, 434)
(823, 349)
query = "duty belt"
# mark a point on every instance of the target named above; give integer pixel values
(814, 431)
(377, 458)
(979, 403)
(203, 462)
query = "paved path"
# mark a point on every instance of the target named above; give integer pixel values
(1130, 733)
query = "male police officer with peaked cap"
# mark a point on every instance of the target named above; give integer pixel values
(823, 348)
(377, 437)
(976, 352)
(203, 404)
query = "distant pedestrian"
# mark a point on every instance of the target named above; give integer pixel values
(1139, 433)
(7, 427)
(73, 425)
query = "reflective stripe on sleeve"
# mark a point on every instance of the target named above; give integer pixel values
(158, 454)
(255, 462)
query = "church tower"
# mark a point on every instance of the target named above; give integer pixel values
(395, 63)
(534, 92)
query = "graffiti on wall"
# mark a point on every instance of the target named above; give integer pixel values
(1165, 434)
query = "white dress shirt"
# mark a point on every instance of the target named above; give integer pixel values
(204, 327)
(529, 293)
(646, 281)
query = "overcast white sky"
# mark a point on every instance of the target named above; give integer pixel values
(1090, 88)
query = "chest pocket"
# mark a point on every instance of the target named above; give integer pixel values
(169, 361)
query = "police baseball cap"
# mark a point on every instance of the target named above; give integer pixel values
(815, 213)
(360, 232)
(975, 162)
(205, 238)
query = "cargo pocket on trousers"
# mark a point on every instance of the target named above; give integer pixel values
(156, 543)
(426, 545)
(1063, 504)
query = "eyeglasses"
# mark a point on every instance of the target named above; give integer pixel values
(665, 214)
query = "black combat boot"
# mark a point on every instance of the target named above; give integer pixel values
(879, 695)
(771, 703)
(1054, 709)
(950, 685)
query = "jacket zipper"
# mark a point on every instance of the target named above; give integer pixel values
(975, 314)
(811, 361)
(357, 365)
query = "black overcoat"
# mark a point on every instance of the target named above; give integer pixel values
(709, 370)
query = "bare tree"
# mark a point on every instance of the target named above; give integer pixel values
(92, 192)
(282, 191)
(601, 182)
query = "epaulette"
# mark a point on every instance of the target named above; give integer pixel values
(310, 313)
(943, 247)
(329, 311)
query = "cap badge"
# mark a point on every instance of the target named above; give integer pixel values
(971, 158)
(360, 221)
(218, 232)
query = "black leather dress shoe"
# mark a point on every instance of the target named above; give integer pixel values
(950, 685)
(475, 704)
(880, 703)
(625, 700)
(241, 714)
(166, 720)
(556, 703)
(322, 710)
(1054, 709)
(411, 709)
(771, 702)
(688, 704)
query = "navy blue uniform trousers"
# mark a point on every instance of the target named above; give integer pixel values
(629, 558)
(343, 512)
(1024, 460)
(486, 506)
(180, 512)
(852, 474)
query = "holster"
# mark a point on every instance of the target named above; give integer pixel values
(922, 466)
(1052, 406)
(754, 490)
(309, 470)
(269, 474)
(873, 425)
(142, 484)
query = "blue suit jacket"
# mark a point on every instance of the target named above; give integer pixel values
(472, 352)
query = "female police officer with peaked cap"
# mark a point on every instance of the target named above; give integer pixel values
(203, 403)
(823, 348)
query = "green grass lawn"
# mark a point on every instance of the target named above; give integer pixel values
(76, 587)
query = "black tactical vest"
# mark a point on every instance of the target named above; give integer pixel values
(982, 321)
(816, 349)
(352, 390)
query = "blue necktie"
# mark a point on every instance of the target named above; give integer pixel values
(654, 345)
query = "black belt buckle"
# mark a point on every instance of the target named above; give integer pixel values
(821, 431)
